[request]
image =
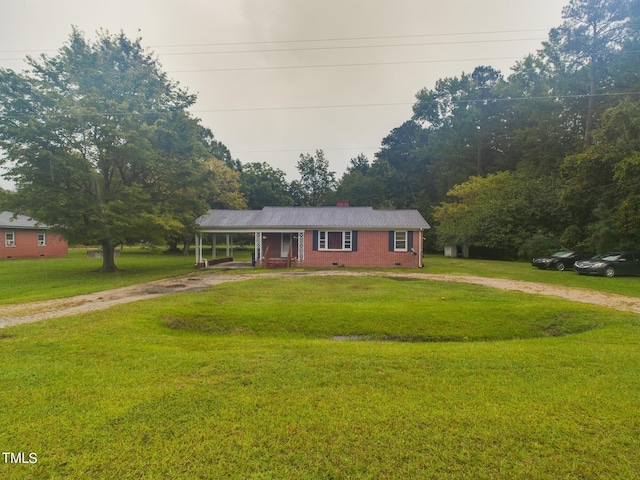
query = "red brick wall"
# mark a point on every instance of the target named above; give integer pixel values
(26, 245)
(373, 251)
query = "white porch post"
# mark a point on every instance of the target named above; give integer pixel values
(258, 247)
(228, 246)
(301, 246)
(214, 247)
(198, 248)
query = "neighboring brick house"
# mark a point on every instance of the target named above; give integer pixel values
(321, 236)
(23, 237)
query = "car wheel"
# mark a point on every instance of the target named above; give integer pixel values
(560, 266)
(609, 272)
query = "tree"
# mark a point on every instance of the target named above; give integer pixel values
(540, 128)
(100, 145)
(262, 186)
(500, 211)
(224, 187)
(467, 123)
(601, 189)
(316, 181)
(585, 42)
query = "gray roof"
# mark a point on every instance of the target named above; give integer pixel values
(20, 222)
(311, 218)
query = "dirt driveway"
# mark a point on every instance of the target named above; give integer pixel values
(36, 311)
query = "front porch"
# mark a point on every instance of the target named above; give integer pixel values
(272, 249)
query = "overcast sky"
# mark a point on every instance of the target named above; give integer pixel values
(277, 78)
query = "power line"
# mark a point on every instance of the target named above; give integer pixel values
(312, 40)
(341, 47)
(339, 65)
(395, 104)
(350, 47)
(278, 42)
(339, 39)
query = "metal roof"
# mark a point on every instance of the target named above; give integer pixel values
(311, 217)
(20, 222)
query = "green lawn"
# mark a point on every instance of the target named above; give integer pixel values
(247, 381)
(42, 279)
(47, 278)
(524, 271)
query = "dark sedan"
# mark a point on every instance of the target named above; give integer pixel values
(560, 260)
(610, 264)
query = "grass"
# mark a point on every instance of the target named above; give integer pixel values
(47, 278)
(246, 381)
(376, 309)
(43, 279)
(524, 271)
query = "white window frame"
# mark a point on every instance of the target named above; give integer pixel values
(323, 240)
(400, 244)
(42, 242)
(9, 238)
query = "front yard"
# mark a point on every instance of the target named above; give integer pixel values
(349, 377)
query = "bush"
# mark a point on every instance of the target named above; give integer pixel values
(538, 245)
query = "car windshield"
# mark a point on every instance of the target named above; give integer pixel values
(562, 254)
(609, 257)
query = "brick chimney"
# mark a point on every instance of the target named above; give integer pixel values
(342, 203)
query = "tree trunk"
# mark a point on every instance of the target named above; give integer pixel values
(187, 246)
(173, 247)
(108, 257)
(592, 95)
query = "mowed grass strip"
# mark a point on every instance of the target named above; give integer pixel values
(438, 264)
(376, 309)
(48, 278)
(126, 393)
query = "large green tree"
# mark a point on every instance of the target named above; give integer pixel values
(500, 211)
(601, 185)
(263, 185)
(100, 144)
(316, 183)
(583, 46)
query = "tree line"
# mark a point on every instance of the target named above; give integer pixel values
(100, 145)
(546, 158)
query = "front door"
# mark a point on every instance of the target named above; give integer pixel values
(286, 244)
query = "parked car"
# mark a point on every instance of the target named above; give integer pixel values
(610, 264)
(560, 260)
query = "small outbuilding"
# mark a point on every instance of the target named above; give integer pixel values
(321, 236)
(23, 237)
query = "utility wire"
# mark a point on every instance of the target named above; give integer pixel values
(341, 47)
(350, 47)
(337, 39)
(341, 65)
(453, 102)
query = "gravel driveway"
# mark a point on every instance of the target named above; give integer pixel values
(36, 311)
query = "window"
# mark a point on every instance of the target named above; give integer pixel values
(42, 239)
(400, 242)
(328, 240)
(10, 238)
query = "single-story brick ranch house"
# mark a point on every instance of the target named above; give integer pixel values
(23, 237)
(321, 236)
